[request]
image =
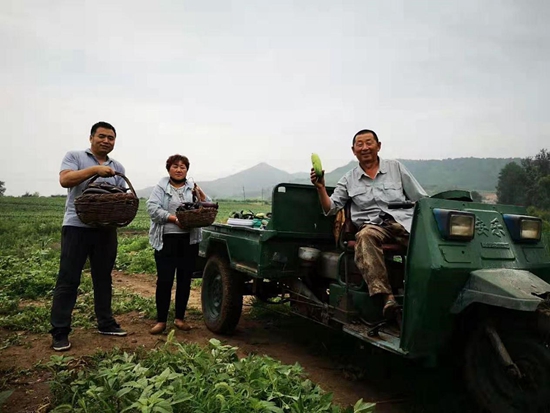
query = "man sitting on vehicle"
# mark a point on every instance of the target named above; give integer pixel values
(372, 186)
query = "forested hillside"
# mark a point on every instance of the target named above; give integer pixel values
(479, 174)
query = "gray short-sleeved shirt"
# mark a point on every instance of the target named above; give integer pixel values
(75, 161)
(370, 197)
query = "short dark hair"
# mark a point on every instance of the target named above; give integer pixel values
(364, 132)
(103, 125)
(177, 158)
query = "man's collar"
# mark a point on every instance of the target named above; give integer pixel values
(358, 171)
(89, 151)
(382, 168)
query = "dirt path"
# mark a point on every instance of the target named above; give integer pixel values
(338, 364)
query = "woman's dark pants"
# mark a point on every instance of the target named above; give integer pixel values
(178, 257)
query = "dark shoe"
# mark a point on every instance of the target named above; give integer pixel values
(113, 330)
(391, 310)
(157, 328)
(61, 342)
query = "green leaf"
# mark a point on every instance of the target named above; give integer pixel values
(163, 407)
(181, 399)
(4, 396)
(171, 335)
(214, 342)
(271, 407)
(123, 391)
(363, 407)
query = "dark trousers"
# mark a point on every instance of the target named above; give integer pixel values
(178, 257)
(77, 244)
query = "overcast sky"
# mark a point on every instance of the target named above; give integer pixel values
(234, 83)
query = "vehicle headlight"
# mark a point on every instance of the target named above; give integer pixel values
(461, 226)
(523, 228)
(455, 225)
(530, 229)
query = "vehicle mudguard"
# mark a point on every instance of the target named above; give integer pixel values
(501, 287)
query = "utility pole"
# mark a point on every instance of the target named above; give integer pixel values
(244, 194)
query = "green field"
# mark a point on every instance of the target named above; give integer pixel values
(29, 225)
(211, 379)
(49, 211)
(30, 232)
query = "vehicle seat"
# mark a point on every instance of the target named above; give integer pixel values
(346, 236)
(346, 241)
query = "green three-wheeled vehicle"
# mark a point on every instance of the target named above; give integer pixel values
(475, 279)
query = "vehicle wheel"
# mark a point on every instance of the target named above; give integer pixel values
(496, 389)
(221, 296)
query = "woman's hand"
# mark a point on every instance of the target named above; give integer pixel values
(200, 193)
(174, 220)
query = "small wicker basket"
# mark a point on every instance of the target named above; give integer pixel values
(197, 218)
(107, 210)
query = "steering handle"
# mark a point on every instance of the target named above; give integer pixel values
(401, 205)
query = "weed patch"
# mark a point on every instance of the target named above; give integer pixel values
(187, 378)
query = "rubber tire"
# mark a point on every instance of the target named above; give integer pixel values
(493, 389)
(221, 314)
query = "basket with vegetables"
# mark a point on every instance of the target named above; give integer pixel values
(105, 205)
(196, 214)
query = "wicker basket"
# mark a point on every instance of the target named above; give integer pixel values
(107, 210)
(197, 218)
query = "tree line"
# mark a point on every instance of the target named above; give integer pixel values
(526, 183)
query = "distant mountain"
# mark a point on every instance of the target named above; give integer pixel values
(255, 182)
(248, 183)
(480, 174)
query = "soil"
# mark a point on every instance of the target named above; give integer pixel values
(341, 365)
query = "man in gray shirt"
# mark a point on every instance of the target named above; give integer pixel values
(371, 187)
(80, 241)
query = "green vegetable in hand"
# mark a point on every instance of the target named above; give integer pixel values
(316, 162)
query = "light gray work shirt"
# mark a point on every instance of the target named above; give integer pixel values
(370, 197)
(75, 161)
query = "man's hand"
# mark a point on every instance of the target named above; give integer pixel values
(319, 183)
(105, 171)
(315, 180)
(69, 178)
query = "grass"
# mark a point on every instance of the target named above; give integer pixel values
(30, 234)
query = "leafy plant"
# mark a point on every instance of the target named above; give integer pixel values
(188, 378)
